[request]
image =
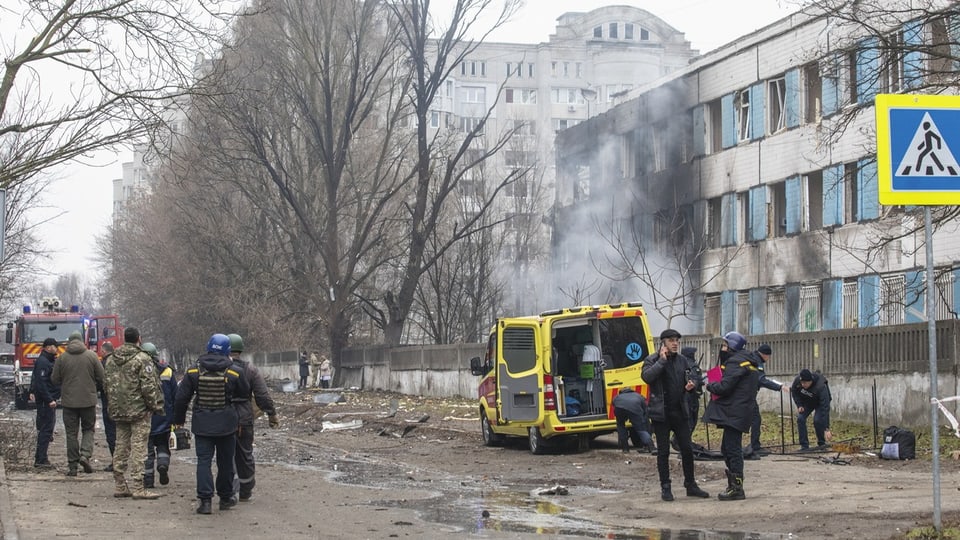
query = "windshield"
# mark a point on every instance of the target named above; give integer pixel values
(36, 332)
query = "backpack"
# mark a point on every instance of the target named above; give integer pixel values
(898, 444)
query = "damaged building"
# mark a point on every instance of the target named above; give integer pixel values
(743, 189)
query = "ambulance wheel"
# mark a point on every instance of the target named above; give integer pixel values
(583, 442)
(489, 437)
(537, 443)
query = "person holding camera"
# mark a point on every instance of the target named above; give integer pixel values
(670, 377)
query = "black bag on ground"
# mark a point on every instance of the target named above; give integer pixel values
(898, 444)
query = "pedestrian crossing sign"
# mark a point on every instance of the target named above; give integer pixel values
(918, 143)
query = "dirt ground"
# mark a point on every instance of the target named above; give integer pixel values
(353, 470)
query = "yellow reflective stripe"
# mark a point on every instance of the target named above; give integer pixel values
(232, 372)
(193, 370)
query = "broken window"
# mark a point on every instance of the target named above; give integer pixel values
(777, 224)
(741, 103)
(776, 104)
(811, 92)
(713, 222)
(891, 63)
(851, 210)
(714, 127)
(813, 214)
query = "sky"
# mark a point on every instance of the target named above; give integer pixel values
(80, 199)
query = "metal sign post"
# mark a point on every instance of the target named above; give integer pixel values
(917, 145)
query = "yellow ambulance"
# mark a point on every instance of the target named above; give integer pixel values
(552, 377)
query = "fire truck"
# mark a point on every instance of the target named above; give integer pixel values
(52, 319)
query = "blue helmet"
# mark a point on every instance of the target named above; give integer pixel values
(218, 344)
(735, 341)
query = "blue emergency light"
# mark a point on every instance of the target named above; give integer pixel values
(26, 309)
(74, 309)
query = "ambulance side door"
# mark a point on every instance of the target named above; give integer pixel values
(519, 372)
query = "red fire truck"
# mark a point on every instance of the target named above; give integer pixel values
(28, 331)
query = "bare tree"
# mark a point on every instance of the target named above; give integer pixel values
(433, 53)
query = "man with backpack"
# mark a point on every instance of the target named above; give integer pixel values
(211, 386)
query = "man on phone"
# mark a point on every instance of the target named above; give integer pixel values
(668, 374)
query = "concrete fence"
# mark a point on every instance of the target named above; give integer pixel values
(883, 369)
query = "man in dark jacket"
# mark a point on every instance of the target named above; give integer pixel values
(256, 391)
(763, 354)
(45, 394)
(668, 374)
(732, 410)
(211, 386)
(629, 405)
(812, 395)
(79, 373)
(158, 447)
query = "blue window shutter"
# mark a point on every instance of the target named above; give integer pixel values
(868, 70)
(728, 121)
(869, 308)
(728, 311)
(757, 108)
(833, 196)
(728, 220)
(792, 99)
(868, 205)
(758, 311)
(829, 84)
(758, 213)
(792, 307)
(914, 296)
(913, 54)
(832, 309)
(699, 132)
(794, 200)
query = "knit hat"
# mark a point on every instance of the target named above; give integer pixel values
(764, 349)
(75, 335)
(805, 375)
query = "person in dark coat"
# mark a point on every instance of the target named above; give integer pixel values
(304, 364)
(215, 421)
(45, 394)
(629, 405)
(763, 354)
(812, 395)
(732, 410)
(694, 397)
(668, 374)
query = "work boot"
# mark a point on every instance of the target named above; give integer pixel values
(71, 471)
(665, 492)
(246, 497)
(85, 463)
(734, 491)
(140, 493)
(227, 503)
(164, 477)
(693, 490)
(122, 489)
(108, 468)
(204, 507)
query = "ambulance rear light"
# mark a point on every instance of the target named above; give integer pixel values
(549, 394)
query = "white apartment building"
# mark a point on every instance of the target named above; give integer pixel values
(763, 151)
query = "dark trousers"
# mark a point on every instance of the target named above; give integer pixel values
(732, 451)
(158, 452)
(246, 468)
(693, 405)
(755, 428)
(46, 418)
(224, 447)
(303, 381)
(821, 419)
(80, 420)
(681, 430)
(638, 431)
(109, 426)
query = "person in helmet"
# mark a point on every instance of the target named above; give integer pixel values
(668, 374)
(158, 447)
(210, 387)
(245, 480)
(732, 407)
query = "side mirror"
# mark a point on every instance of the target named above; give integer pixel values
(476, 366)
(9, 333)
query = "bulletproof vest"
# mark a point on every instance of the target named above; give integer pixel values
(211, 393)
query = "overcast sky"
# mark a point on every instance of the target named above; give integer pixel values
(83, 192)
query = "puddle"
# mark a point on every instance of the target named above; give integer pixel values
(469, 507)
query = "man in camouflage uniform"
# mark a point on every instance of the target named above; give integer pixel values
(133, 393)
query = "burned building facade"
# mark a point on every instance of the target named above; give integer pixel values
(741, 193)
